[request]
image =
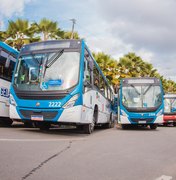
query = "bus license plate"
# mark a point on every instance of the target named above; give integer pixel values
(36, 118)
(142, 122)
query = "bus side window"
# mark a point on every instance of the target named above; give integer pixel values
(106, 91)
(109, 94)
(11, 69)
(96, 77)
(87, 69)
(3, 69)
(102, 85)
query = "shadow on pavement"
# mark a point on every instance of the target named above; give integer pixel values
(66, 131)
(136, 128)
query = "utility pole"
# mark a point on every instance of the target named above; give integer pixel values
(73, 25)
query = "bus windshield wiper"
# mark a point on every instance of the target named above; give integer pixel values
(147, 90)
(53, 59)
(135, 89)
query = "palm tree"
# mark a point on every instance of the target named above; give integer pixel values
(136, 67)
(108, 66)
(18, 33)
(67, 35)
(49, 29)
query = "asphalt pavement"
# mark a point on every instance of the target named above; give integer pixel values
(69, 154)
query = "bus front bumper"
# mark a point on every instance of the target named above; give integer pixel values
(69, 115)
(140, 121)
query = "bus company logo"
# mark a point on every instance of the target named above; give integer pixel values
(142, 114)
(37, 104)
(4, 92)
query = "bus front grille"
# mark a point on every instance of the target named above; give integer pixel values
(39, 96)
(48, 115)
(148, 120)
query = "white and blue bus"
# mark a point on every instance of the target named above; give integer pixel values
(59, 82)
(8, 57)
(140, 102)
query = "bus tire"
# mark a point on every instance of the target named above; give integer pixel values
(29, 124)
(124, 126)
(79, 127)
(174, 123)
(89, 128)
(165, 124)
(153, 126)
(7, 122)
(44, 126)
(110, 124)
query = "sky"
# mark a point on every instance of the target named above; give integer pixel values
(116, 27)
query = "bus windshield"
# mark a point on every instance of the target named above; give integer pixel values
(49, 71)
(170, 105)
(141, 96)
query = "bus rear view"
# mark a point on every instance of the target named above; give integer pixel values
(141, 102)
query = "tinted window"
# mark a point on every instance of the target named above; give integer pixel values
(6, 70)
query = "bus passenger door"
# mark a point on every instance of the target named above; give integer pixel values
(87, 89)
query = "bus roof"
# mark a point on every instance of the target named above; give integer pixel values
(170, 95)
(51, 44)
(140, 80)
(8, 48)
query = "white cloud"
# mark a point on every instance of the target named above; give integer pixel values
(145, 55)
(116, 27)
(11, 7)
(146, 27)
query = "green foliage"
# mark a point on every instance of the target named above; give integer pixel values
(48, 28)
(22, 32)
(18, 33)
(130, 65)
(67, 35)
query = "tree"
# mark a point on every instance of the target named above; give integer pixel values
(134, 66)
(19, 32)
(49, 29)
(67, 35)
(109, 67)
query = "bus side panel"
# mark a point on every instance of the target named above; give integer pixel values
(92, 98)
(4, 98)
(71, 115)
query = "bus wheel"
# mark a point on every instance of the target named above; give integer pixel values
(29, 124)
(110, 124)
(7, 122)
(79, 127)
(153, 126)
(44, 126)
(174, 123)
(89, 128)
(165, 124)
(124, 126)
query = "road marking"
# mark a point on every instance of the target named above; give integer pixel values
(164, 177)
(40, 140)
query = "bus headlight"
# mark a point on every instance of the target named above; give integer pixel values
(12, 100)
(71, 102)
(123, 113)
(159, 113)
